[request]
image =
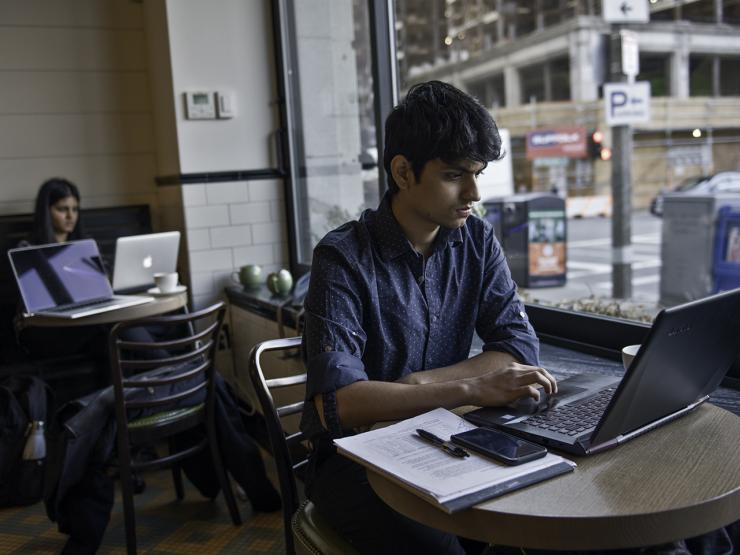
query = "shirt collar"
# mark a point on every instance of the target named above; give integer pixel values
(387, 232)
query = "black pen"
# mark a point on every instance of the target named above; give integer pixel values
(446, 446)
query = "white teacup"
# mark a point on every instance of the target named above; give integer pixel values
(628, 354)
(166, 282)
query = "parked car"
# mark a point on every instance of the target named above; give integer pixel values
(722, 182)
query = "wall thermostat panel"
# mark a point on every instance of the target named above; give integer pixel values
(200, 105)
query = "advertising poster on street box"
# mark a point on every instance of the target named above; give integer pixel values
(546, 243)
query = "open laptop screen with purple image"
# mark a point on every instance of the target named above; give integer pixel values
(60, 275)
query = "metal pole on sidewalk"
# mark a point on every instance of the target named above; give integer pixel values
(621, 188)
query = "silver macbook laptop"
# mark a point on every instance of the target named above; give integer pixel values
(139, 257)
(687, 353)
(66, 280)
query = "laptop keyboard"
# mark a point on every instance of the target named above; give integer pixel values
(573, 419)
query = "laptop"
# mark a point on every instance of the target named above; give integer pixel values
(139, 257)
(688, 351)
(66, 280)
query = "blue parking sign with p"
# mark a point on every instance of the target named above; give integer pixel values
(627, 103)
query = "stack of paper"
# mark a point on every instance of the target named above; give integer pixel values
(451, 483)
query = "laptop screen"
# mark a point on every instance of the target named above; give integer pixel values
(51, 276)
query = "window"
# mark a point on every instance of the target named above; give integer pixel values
(731, 12)
(331, 84)
(533, 83)
(655, 69)
(700, 75)
(546, 82)
(686, 140)
(339, 85)
(699, 12)
(560, 79)
(714, 75)
(489, 91)
(729, 76)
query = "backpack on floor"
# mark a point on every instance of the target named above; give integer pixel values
(25, 404)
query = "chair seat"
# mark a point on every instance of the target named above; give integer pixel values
(167, 417)
(314, 535)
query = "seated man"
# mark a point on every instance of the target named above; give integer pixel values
(393, 303)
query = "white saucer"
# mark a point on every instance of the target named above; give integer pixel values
(155, 292)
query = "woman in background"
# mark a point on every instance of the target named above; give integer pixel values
(56, 218)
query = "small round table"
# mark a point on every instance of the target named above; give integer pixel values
(160, 305)
(675, 482)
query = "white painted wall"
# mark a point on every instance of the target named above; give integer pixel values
(224, 45)
(75, 102)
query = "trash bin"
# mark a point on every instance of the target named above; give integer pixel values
(726, 267)
(688, 243)
(532, 230)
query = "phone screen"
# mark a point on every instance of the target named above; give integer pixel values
(493, 443)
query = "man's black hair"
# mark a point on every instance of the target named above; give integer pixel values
(437, 120)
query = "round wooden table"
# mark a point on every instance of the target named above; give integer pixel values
(160, 305)
(675, 482)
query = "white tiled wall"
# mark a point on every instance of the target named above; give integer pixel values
(229, 225)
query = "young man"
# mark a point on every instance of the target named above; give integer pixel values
(392, 306)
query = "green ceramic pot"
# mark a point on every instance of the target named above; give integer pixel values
(250, 276)
(280, 283)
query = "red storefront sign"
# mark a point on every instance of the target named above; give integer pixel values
(557, 142)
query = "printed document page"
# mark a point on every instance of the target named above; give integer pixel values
(397, 450)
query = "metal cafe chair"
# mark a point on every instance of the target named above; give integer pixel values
(163, 388)
(306, 531)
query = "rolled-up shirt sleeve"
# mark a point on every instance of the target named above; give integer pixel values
(502, 320)
(333, 340)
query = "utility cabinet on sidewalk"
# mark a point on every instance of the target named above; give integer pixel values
(532, 230)
(688, 245)
(726, 268)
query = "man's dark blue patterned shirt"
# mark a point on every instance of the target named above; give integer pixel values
(376, 311)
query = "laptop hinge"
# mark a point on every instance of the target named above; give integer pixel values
(639, 431)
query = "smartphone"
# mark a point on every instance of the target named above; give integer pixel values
(500, 446)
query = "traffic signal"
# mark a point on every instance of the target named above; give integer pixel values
(596, 148)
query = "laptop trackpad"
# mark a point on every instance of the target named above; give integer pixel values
(566, 391)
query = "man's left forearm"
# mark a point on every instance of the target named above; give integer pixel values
(474, 366)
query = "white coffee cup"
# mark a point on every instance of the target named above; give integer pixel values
(166, 282)
(628, 354)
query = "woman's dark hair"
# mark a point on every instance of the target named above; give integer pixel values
(51, 192)
(437, 120)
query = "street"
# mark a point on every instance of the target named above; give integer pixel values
(589, 261)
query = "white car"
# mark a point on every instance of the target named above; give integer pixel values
(722, 182)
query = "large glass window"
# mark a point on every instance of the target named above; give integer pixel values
(686, 142)
(330, 84)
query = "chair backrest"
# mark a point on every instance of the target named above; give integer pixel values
(287, 448)
(182, 367)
